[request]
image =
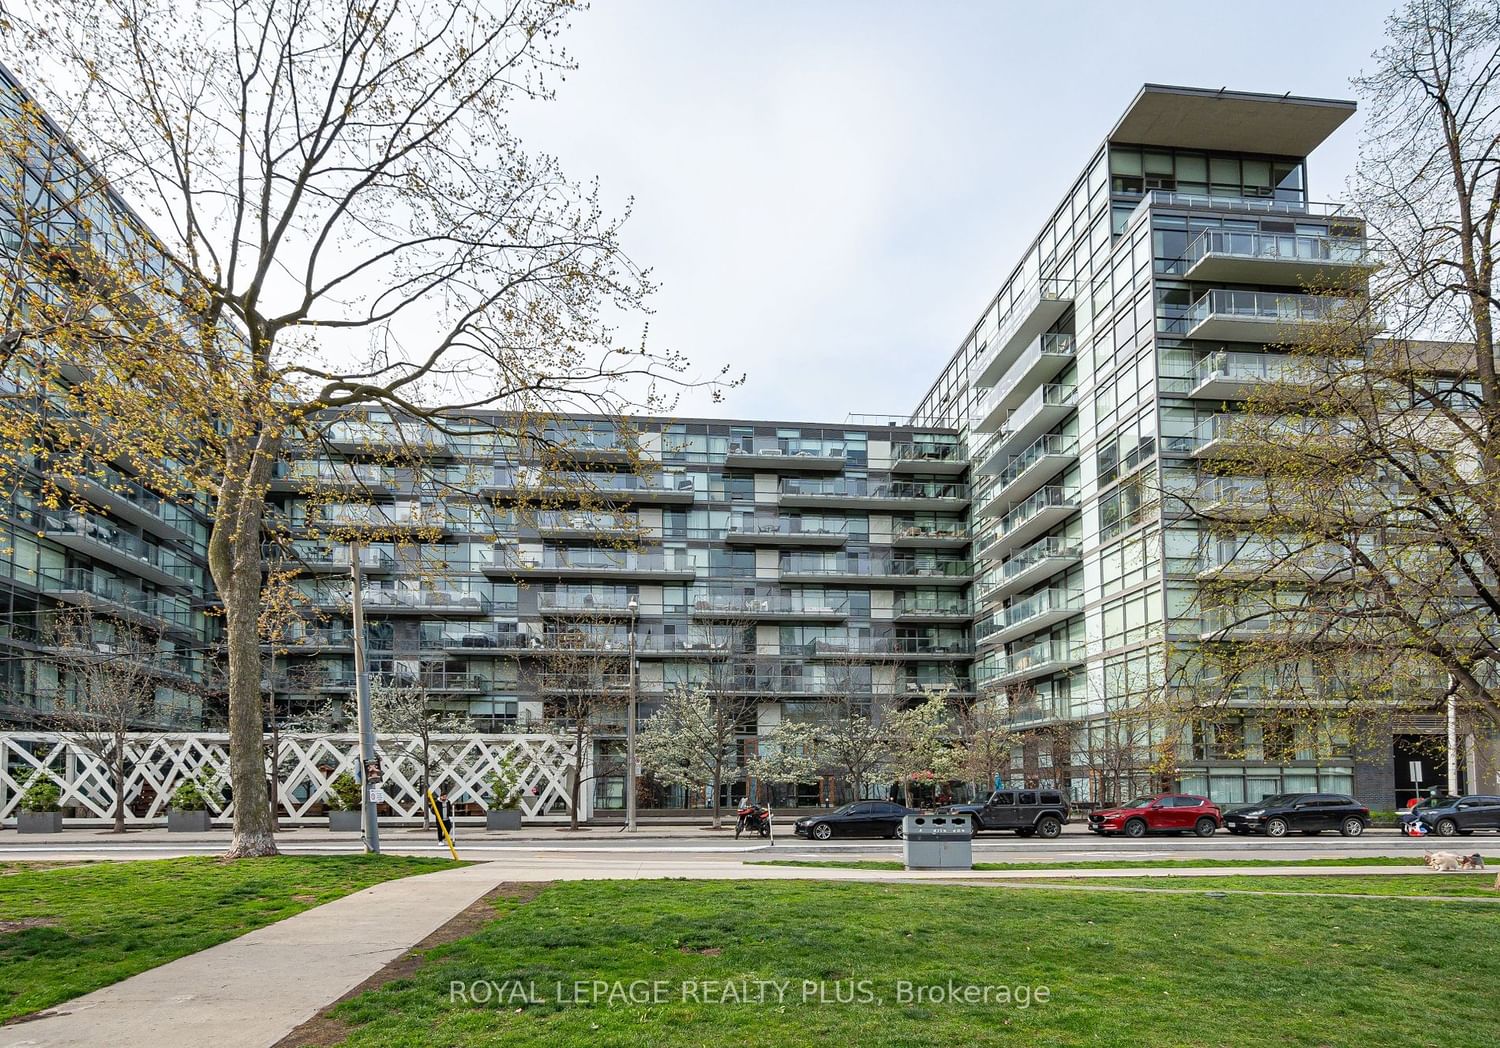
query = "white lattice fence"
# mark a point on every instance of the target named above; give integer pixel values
(156, 765)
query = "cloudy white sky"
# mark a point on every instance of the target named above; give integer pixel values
(828, 192)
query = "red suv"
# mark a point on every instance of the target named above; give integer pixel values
(1164, 813)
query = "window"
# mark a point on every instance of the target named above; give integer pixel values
(1003, 798)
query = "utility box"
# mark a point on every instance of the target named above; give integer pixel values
(938, 842)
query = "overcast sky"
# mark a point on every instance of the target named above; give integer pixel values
(829, 192)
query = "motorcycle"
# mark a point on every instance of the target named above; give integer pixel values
(752, 818)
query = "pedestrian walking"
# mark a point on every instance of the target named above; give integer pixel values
(444, 812)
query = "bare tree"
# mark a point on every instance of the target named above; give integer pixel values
(1351, 551)
(986, 742)
(109, 677)
(852, 737)
(583, 678)
(408, 711)
(347, 225)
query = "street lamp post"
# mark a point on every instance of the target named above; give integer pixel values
(630, 730)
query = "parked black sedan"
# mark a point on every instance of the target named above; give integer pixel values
(860, 819)
(1308, 813)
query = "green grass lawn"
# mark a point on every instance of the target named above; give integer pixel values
(83, 927)
(1472, 885)
(1111, 864)
(1120, 968)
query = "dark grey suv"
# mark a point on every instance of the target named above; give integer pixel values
(1025, 812)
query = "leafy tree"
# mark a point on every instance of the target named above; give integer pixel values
(1351, 551)
(921, 742)
(352, 246)
(407, 712)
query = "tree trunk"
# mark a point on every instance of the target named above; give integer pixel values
(574, 787)
(119, 769)
(234, 560)
(718, 788)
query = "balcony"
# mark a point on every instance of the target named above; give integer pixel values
(1259, 316)
(579, 524)
(592, 605)
(1230, 375)
(1047, 355)
(1037, 612)
(1041, 512)
(1030, 314)
(781, 532)
(342, 476)
(131, 501)
(471, 638)
(388, 516)
(112, 597)
(900, 647)
(1231, 498)
(930, 457)
(937, 496)
(1244, 560)
(381, 602)
(98, 539)
(1041, 659)
(1041, 411)
(911, 535)
(866, 572)
(785, 456)
(328, 559)
(769, 607)
(1295, 260)
(1231, 435)
(315, 639)
(1035, 563)
(1024, 473)
(939, 609)
(673, 566)
(1165, 198)
(660, 488)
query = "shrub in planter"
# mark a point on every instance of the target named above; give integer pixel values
(504, 811)
(189, 811)
(38, 806)
(344, 814)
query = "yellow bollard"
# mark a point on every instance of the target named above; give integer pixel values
(441, 825)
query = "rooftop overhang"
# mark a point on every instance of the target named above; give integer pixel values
(1231, 121)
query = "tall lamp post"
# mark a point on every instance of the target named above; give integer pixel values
(630, 729)
(368, 804)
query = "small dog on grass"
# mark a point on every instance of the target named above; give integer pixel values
(1452, 862)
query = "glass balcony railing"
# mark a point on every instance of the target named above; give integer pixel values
(112, 591)
(1237, 202)
(1277, 247)
(900, 568)
(841, 487)
(1043, 655)
(785, 526)
(600, 560)
(1269, 307)
(1056, 346)
(1238, 367)
(1051, 497)
(101, 531)
(927, 451)
(1040, 604)
(1047, 549)
(731, 604)
(1024, 307)
(931, 605)
(1048, 445)
(339, 474)
(586, 602)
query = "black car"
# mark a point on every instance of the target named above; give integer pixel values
(1308, 813)
(1455, 815)
(860, 819)
(1026, 812)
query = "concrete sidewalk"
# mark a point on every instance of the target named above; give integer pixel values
(252, 991)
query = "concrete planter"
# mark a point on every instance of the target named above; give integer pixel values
(187, 821)
(503, 819)
(345, 821)
(39, 822)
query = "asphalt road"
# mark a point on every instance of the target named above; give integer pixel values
(1075, 845)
